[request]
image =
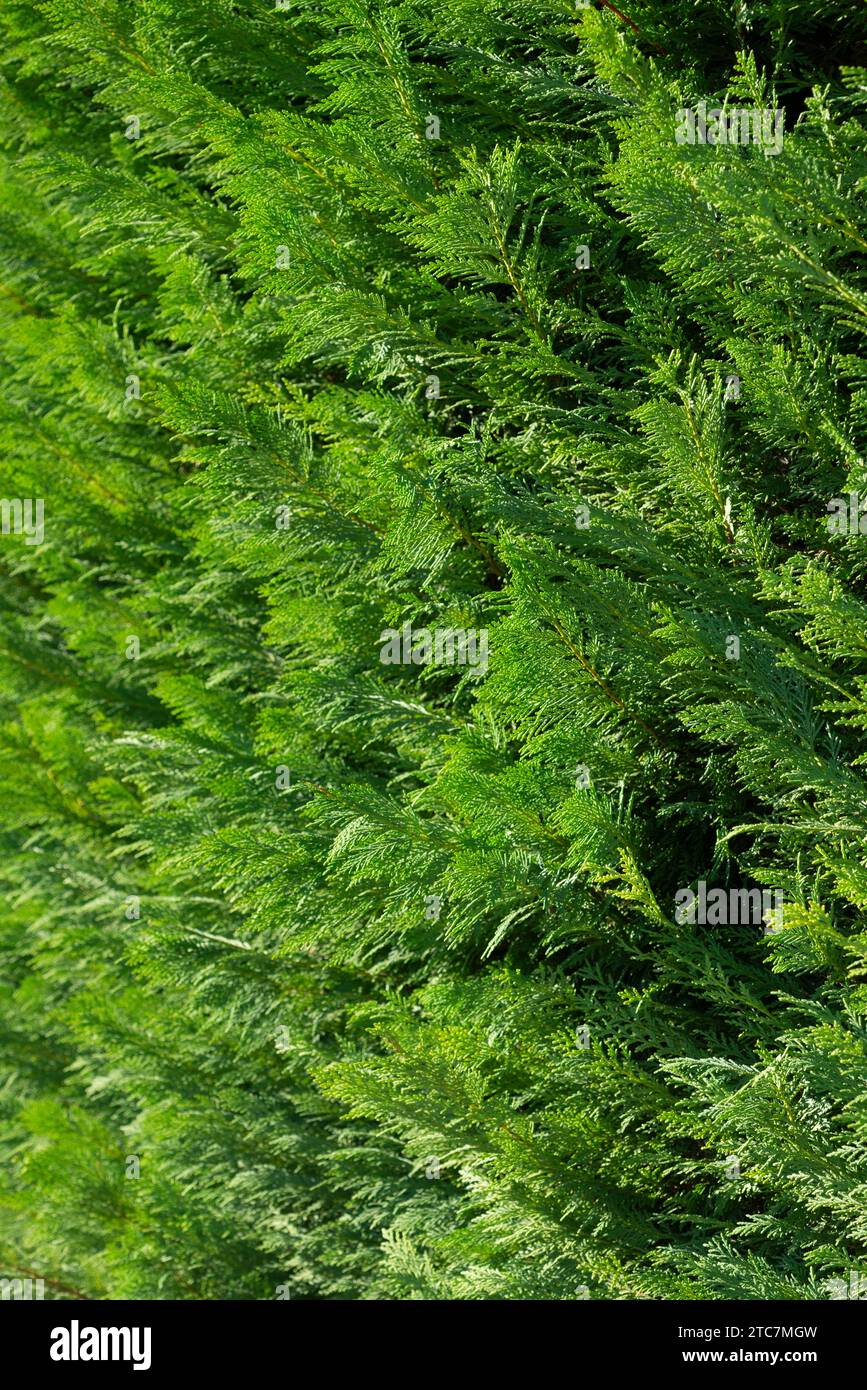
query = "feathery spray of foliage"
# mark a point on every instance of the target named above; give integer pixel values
(378, 994)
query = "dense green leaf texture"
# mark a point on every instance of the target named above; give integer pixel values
(324, 976)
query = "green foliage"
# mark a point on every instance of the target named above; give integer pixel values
(330, 978)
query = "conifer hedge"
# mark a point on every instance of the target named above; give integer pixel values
(433, 618)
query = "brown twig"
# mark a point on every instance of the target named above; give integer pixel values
(631, 22)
